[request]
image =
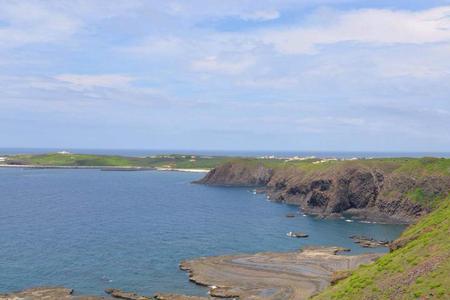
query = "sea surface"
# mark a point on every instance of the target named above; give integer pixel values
(148, 152)
(91, 229)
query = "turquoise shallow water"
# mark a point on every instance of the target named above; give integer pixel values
(90, 229)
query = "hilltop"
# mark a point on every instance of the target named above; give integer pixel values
(416, 268)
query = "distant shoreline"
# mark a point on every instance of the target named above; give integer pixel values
(106, 168)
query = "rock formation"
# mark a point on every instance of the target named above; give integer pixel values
(365, 191)
(283, 276)
(47, 293)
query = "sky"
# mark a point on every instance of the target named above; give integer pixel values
(328, 75)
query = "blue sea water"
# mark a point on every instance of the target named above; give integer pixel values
(91, 229)
(147, 152)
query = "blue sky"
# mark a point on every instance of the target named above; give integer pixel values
(229, 75)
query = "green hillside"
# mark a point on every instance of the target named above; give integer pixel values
(418, 269)
(89, 160)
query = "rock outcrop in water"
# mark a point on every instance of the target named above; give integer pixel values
(117, 293)
(47, 293)
(281, 276)
(62, 293)
(364, 190)
(368, 242)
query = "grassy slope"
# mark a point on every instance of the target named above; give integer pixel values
(408, 166)
(173, 161)
(416, 166)
(418, 270)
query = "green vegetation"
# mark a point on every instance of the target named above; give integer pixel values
(418, 269)
(423, 198)
(84, 160)
(411, 166)
(401, 165)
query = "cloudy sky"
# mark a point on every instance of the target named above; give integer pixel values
(243, 75)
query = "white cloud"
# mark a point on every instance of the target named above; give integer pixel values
(214, 64)
(27, 22)
(273, 83)
(366, 26)
(90, 81)
(261, 15)
(157, 46)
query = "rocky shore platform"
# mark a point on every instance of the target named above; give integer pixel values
(291, 275)
(282, 276)
(61, 293)
(47, 293)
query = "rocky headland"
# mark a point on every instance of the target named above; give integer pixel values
(381, 190)
(395, 190)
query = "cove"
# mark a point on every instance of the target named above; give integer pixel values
(90, 230)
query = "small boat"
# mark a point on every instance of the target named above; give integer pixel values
(297, 234)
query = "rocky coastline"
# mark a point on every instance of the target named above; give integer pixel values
(288, 276)
(348, 189)
(361, 191)
(282, 276)
(62, 293)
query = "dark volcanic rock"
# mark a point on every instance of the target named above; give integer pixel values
(363, 190)
(367, 242)
(238, 175)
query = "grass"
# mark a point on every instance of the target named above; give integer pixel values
(425, 199)
(169, 161)
(411, 166)
(416, 167)
(418, 270)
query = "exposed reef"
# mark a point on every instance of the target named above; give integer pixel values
(47, 293)
(283, 276)
(116, 293)
(62, 293)
(368, 242)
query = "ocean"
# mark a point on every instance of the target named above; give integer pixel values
(91, 229)
(148, 152)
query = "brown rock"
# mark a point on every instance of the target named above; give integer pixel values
(369, 191)
(116, 293)
(47, 293)
(295, 275)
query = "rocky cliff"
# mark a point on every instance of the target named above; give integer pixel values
(378, 191)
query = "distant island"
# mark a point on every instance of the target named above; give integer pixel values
(399, 190)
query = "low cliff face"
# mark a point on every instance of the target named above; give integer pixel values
(236, 174)
(368, 191)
